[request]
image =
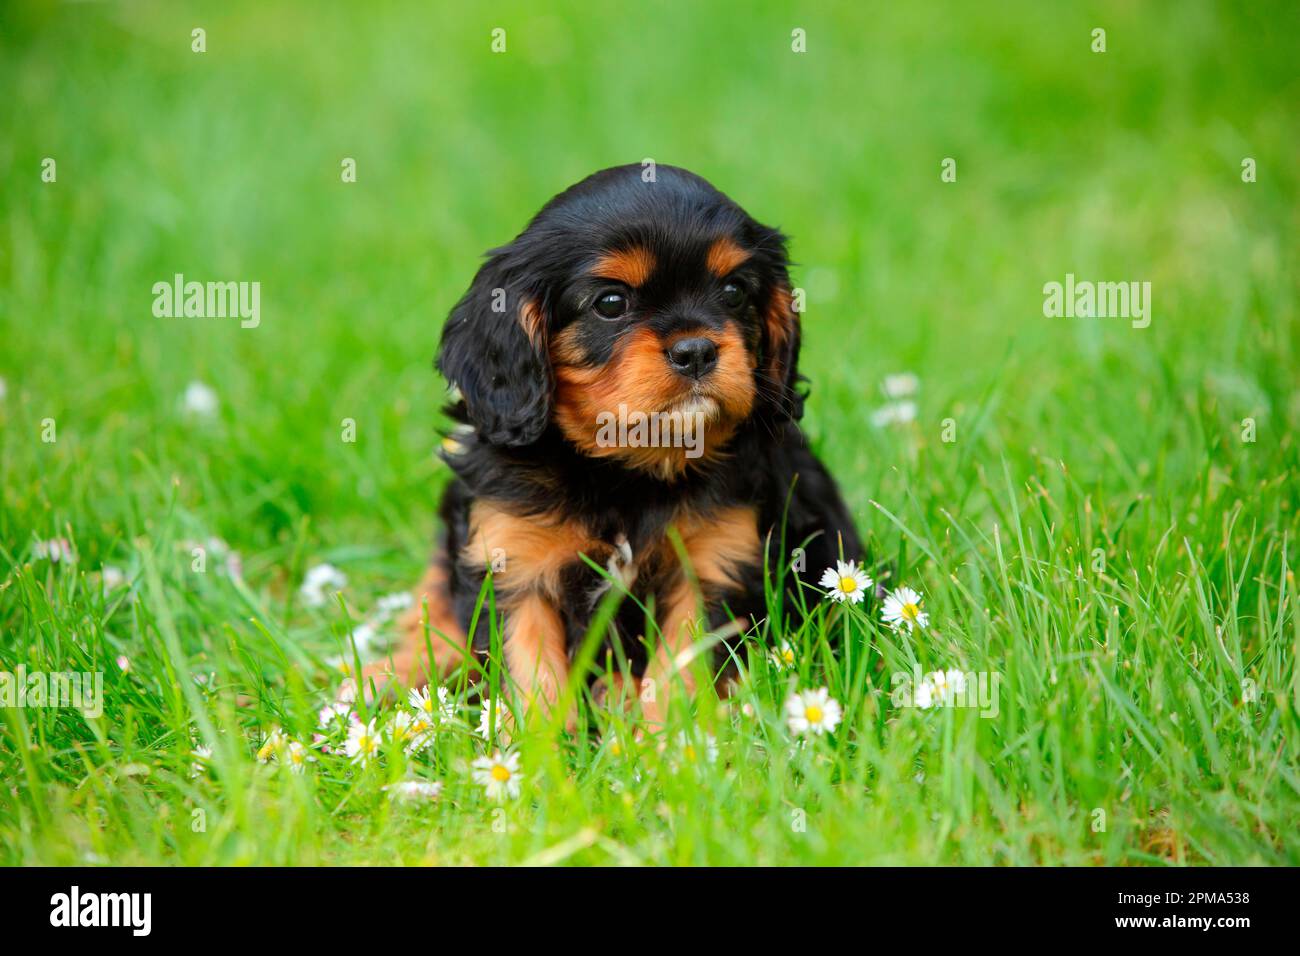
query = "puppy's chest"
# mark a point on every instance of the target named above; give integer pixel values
(560, 556)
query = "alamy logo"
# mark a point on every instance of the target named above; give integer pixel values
(82, 691)
(1098, 300)
(634, 429)
(103, 909)
(179, 299)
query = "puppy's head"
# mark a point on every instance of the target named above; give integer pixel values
(627, 297)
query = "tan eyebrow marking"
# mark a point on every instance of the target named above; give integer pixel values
(631, 266)
(724, 255)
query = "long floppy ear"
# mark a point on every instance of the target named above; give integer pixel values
(494, 351)
(781, 336)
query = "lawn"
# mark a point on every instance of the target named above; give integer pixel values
(1101, 515)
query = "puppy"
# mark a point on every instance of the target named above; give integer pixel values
(627, 399)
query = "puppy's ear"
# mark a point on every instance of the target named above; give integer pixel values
(781, 336)
(494, 351)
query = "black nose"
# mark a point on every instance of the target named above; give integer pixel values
(693, 357)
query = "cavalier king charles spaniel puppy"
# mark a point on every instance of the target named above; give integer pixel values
(627, 399)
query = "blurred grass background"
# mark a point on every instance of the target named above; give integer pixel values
(225, 165)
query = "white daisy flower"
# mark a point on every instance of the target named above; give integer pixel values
(433, 709)
(846, 582)
(272, 745)
(489, 717)
(901, 385)
(363, 635)
(202, 756)
(56, 550)
(298, 756)
(414, 790)
(335, 716)
(111, 578)
(895, 413)
(783, 656)
(363, 742)
(199, 399)
(812, 712)
(391, 603)
(123, 663)
(923, 695)
(412, 734)
(319, 580)
(902, 608)
(706, 750)
(499, 775)
(947, 685)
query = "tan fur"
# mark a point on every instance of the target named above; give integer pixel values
(724, 256)
(639, 376)
(631, 266)
(717, 546)
(409, 665)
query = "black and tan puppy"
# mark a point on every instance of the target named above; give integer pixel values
(625, 366)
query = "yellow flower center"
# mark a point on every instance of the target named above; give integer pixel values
(690, 753)
(500, 772)
(267, 749)
(848, 585)
(365, 743)
(910, 611)
(813, 713)
(296, 756)
(787, 655)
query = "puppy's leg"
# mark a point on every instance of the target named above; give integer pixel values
(528, 557)
(723, 552)
(534, 650)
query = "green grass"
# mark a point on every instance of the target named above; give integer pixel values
(1098, 534)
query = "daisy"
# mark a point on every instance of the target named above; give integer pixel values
(317, 581)
(902, 608)
(271, 746)
(693, 754)
(923, 695)
(298, 756)
(489, 717)
(335, 717)
(846, 582)
(433, 710)
(414, 790)
(123, 663)
(499, 775)
(363, 636)
(783, 656)
(56, 550)
(391, 603)
(947, 685)
(901, 385)
(895, 413)
(111, 578)
(202, 755)
(410, 733)
(363, 742)
(812, 712)
(199, 399)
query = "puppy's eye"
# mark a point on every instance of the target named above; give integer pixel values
(733, 296)
(610, 305)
